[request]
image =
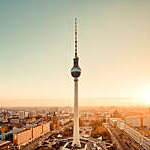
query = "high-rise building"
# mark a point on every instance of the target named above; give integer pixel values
(75, 72)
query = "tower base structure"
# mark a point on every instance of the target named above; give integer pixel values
(69, 145)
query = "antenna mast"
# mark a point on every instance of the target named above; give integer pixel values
(75, 37)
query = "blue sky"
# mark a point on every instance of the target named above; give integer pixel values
(37, 43)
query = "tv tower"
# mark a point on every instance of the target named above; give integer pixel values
(75, 72)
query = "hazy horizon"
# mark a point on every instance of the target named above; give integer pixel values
(103, 101)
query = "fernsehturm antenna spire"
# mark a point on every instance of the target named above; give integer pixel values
(76, 45)
(75, 72)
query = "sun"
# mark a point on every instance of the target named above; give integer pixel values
(147, 98)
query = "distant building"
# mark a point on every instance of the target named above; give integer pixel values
(26, 114)
(21, 114)
(54, 118)
(32, 114)
(15, 121)
(116, 114)
(138, 121)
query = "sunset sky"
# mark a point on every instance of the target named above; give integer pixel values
(37, 46)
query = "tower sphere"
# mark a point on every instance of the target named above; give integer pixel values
(75, 71)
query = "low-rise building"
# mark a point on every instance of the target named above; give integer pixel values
(37, 131)
(31, 132)
(23, 137)
(46, 128)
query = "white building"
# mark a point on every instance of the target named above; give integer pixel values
(26, 114)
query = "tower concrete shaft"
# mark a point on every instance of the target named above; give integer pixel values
(76, 137)
(75, 72)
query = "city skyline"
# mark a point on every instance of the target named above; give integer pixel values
(93, 102)
(37, 45)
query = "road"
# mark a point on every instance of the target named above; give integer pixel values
(122, 140)
(115, 139)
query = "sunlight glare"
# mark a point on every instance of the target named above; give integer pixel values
(147, 98)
